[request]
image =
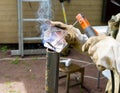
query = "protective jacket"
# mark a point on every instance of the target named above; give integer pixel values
(114, 31)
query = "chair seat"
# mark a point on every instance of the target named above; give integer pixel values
(70, 69)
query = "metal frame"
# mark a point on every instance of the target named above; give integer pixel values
(21, 38)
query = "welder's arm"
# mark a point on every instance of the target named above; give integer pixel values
(74, 37)
(105, 52)
(72, 32)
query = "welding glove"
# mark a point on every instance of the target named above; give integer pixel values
(113, 25)
(73, 36)
(105, 52)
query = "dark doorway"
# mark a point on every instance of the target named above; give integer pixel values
(110, 7)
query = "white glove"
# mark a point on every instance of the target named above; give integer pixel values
(105, 52)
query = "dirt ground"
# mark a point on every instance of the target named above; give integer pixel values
(27, 75)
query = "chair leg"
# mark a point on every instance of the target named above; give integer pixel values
(81, 88)
(82, 76)
(81, 79)
(67, 82)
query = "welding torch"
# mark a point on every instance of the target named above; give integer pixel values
(84, 23)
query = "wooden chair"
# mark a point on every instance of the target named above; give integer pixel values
(73, 68)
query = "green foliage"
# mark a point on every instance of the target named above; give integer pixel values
(16, 61)
(4, 48)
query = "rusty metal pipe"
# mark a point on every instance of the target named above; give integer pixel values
(52, 72)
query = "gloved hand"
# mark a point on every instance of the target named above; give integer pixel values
(113, 25)
(73, 36)
(105, 52)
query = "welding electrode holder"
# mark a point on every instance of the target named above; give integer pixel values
(86, 26)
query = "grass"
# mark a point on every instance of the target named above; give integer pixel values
(4, 48)
(16, 61)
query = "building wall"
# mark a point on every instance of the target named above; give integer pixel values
(92, 9)
(8, 21)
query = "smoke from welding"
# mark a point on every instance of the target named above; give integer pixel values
(44, 13)
(45, 10)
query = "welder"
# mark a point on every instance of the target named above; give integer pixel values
(104, 50)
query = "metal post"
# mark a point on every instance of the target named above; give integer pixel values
(52, 72)
(20, 27)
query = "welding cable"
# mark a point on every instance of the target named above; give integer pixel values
(63, 10)
(64, 13)
(94, 78)
(113, 81)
